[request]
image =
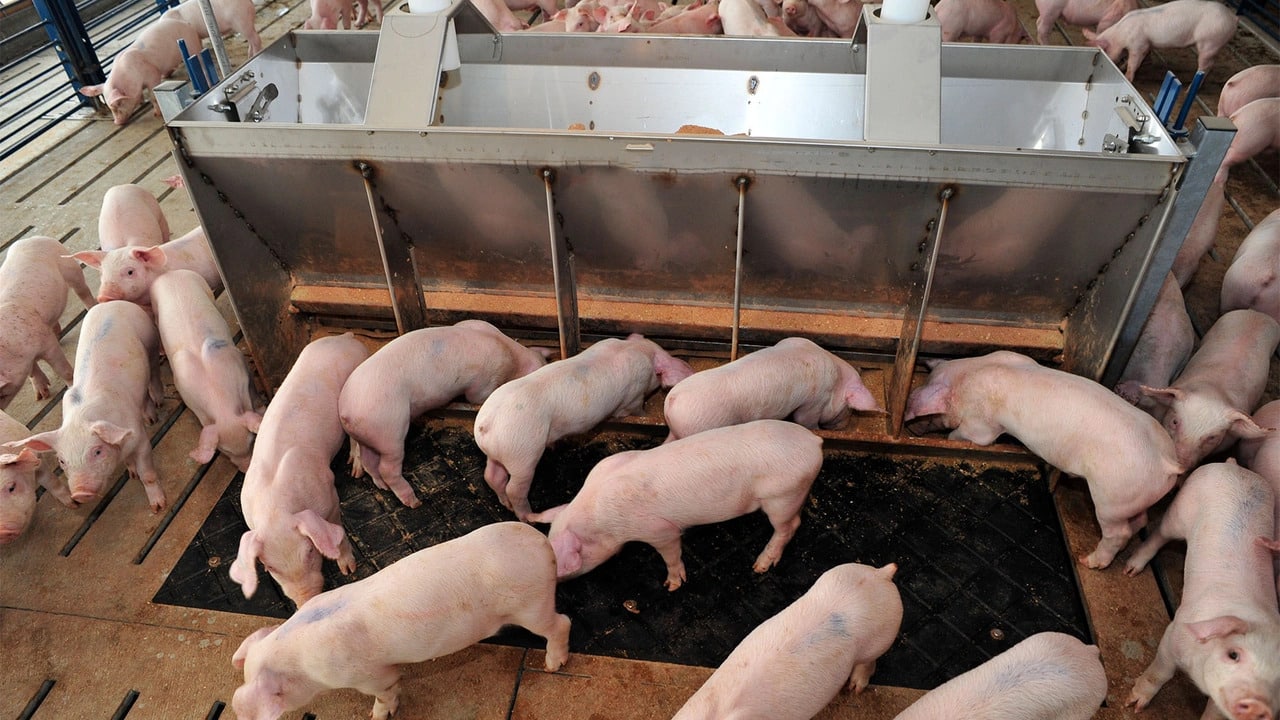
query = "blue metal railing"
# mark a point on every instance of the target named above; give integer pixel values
(1265, 14)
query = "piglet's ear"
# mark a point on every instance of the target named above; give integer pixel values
(325, 535)
(244, 570)
(1164, 396)
(153, 256)
(40, 442)
(110, 432)
(242, 652)
(24, 461)
(92, 258)
(1243, 426)
(928, 400)
(1206, 630)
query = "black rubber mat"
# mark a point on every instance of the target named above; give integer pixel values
(981, 559)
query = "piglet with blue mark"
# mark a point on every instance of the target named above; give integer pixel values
(106, 412)
(208, 369)
(793, 664)
(1225, 634)
(420, 371)
(432, 603)
(1048, 676)
(611, 378)
(289, 500)
(653, 495)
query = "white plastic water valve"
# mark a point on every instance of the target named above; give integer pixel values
(904, 11)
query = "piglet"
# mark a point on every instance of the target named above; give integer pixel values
(1205, 24)
(745, 18)
(498, 15)
(1163, 348)
(127, 273)
(208, 369)
(697, 19)
(795, 662)
(1263, 457)
(289, 500)
(432, 603)
(420, 371)
(1096, 14)
(1253, 279)
(231, 16)
(841, 16)
(131, 215)
(1257, 130)
(105, 413)
(1203, 233)
(33, 293)
(143, 65)
(1208, 405)
(1252, 83)
(523, 417)
(1071, 422)
(794, 379)
(1226, 632)
(993, 21)
(549, 7)
(328, 14)
(801, 17)
(19, 474)
(1048, 676)
(653, 495)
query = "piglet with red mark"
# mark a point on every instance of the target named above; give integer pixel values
(420, 371)
(794, 379)
(1253, 279)
(1073, 423)
(1205, 24)
(1225, 634)
(432, 603)
(33, 293)
(653, 495)
(105, 413)
(289, 500)
(20, 472)
(127, 272)
(522, 418)
(208, 369)
(131, 215)
(143, 65)
(1208, 405)
(794, 663)
(1048, 676)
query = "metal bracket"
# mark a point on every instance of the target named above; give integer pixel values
(397, 261)
(904, 363)
(562, 275)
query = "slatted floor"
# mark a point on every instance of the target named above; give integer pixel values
(81, 635)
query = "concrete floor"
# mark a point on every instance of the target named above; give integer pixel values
(80, 614)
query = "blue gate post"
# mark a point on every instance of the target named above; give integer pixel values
(71, 40)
